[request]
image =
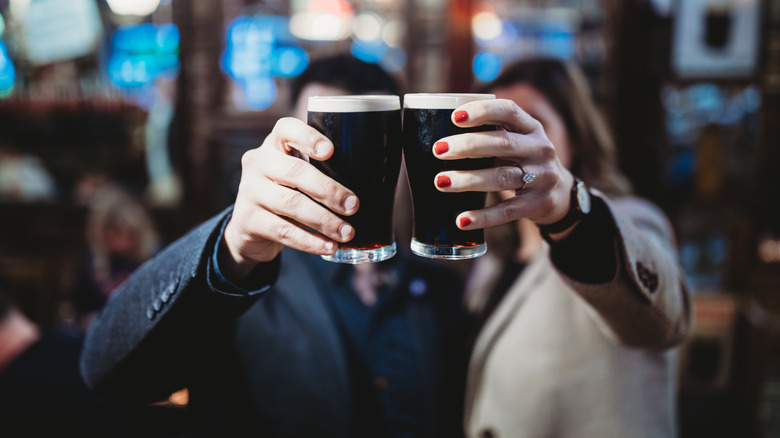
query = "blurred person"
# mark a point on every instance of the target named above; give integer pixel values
(269, 338)
(579, 323)
(42, 392)
(121, 235)
(41, 389)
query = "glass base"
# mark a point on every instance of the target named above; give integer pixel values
(447, 252)
(355, 256)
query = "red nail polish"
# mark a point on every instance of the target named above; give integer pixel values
(441, 147)
(465, 222)
(443, 181)
(461, 116)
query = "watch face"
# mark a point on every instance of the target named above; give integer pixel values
(583, 197)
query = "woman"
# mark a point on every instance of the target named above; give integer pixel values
(578, 322)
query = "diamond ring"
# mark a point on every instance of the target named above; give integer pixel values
(528, 177)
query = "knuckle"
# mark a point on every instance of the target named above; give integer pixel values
(466, 144)
(548, 149)
(294, 170)
(507, 178)
(280, 124)
(291, 200)
(511, 106)
(510, 213)
(325, 218)
(505, 141)
(285, 233)
(248, 157)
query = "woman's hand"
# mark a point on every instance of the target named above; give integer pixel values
(520, 145)
(282, 198)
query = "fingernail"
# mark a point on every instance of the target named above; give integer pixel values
(443, 181)
(441, 147)
(345, 231)
(461, 116)
(350, 202)
(330, 247)
(465, 222)
(319, 149)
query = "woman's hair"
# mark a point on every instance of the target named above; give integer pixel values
(113, 208)
(594, 156)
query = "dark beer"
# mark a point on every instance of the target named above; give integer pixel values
(366, 134)
(427, 119)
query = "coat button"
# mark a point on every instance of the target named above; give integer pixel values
(167, 294)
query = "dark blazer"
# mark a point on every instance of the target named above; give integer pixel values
(270, 362)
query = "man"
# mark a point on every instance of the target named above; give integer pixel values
(286, 344)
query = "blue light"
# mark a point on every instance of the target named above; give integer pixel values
(394, 60)
(260, 93)
(487, 66)
(250, 47)
(257, 50)
(142, 53)
(7, 72)
(556, 39)
(369, 51)
(289, 61)
(168, 38)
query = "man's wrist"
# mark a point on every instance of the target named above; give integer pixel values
(244, 278)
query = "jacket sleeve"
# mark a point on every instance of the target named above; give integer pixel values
(141, 346)
(646, 301)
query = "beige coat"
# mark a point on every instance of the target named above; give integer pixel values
(559, 358)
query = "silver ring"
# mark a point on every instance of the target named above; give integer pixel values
(528, 177)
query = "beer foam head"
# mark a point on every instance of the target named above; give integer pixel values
(354, 104)
(442, 100)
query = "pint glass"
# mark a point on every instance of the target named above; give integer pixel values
(427, 118)
(366, 134)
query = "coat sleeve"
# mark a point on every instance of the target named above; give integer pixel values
(646, 303)
(141, 346)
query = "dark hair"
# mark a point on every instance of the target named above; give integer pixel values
(345, 72)
(565, 86)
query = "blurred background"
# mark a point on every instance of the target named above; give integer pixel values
(122, 124)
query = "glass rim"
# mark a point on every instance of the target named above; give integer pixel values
(354, 103)
(442, 100)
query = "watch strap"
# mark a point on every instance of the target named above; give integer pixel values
(572, 216)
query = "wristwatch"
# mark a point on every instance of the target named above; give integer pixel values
(579, 207)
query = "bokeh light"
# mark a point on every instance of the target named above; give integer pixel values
(369, 51)
(141, 53)
(7, 72)
(486, 25)
(133, 7)
(367, 26)
(393, 33)
(769, 251)
(289, 61)
(321, 20)
(394, 59)
(258, 49)
(259, 92)
(487, 66)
